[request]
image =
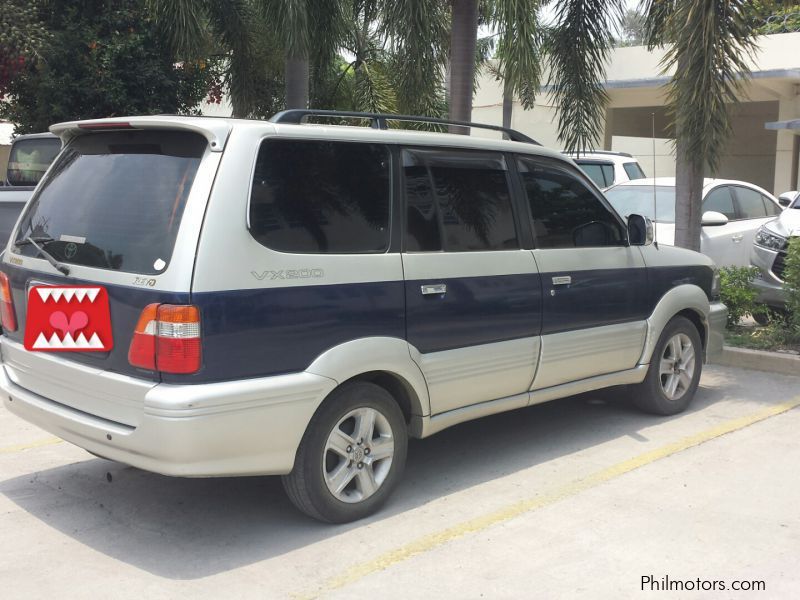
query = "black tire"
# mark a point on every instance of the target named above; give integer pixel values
(306, 485)
(650, 395)
(762, 318)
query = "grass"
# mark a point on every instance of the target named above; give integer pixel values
(773, 337)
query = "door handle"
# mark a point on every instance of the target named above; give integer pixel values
(562, 280)
(737, 238)
(433, 289)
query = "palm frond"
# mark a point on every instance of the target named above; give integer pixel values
(183, 24)
(579, 46)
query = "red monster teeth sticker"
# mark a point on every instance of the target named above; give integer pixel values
(68, 319)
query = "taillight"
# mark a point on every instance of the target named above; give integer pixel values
(167, 338)
(7, 316)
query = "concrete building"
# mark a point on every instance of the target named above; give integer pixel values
(766, 155)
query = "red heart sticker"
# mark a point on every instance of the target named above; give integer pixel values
(68, 319)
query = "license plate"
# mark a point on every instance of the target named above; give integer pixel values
(68, 318)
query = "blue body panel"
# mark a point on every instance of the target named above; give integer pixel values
(125, 305)
(475, 310)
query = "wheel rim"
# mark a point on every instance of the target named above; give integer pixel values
(358, 455)
(677, 366)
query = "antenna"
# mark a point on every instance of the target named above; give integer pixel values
(655, 199)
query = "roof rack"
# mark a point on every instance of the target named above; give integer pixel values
(609, 152)
(379, 121)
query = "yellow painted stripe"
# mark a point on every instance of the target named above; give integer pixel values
(434, 540)
(30, 445)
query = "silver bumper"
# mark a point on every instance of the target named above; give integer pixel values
(250, 427)
(717, 318)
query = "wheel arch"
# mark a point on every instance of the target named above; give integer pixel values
(686, 300)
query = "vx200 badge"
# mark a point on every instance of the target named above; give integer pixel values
(68, 319)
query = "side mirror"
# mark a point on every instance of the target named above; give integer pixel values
(640, 231)
(786, 198)
(713, 218)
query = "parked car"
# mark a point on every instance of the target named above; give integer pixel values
(29, 158)
(295, 299)
(608, 168)
(768, 253)
(733, 211)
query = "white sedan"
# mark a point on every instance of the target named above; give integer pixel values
(733, 211)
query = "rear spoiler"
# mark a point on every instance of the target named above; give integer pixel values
(216, 131)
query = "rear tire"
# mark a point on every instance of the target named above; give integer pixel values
(352, 455)
(674, 372)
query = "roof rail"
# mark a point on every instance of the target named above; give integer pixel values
(379, 121)
(609, 152)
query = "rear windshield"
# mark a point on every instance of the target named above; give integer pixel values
(29, 160)
(633, 170)
(115, 200)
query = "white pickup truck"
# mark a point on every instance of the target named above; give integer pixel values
(30, 157)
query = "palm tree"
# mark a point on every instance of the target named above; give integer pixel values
(711, 41)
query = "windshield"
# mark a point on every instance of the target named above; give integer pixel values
(29, 159)
(114, 200)
(638, 199)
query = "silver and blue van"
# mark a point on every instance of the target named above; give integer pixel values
(209, 297)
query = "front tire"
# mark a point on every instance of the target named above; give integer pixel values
(674, 372)
(352, 455)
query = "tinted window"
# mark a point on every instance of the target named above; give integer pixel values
(751, 204)
(29, 159)
(115, 200)
(458, 201)
(601, 174)
(633, 170)
(720, 200)
(321, 197)
(566, 214)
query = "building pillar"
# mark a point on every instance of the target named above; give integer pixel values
(786, 149)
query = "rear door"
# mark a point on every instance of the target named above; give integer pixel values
(473, 295)
(122, 210)
(594, 285)
(754, 209)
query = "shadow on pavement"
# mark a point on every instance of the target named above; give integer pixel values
(193, 528)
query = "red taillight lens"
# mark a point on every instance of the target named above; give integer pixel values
(167, 338)
(7, 316)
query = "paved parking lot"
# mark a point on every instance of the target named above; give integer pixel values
(579, 498)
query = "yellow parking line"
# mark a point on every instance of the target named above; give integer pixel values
(434, 540)
(30, 445)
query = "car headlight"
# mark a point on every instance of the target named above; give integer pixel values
(767, 239)
(716, 286)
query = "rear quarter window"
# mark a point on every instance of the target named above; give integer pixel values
(317, 197)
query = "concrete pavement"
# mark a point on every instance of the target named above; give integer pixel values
(576, 498)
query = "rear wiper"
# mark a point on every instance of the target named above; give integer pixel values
(47, 256)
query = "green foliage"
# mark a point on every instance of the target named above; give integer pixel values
(737, 292)
(21, 36)
(791, 284)
(102, 59)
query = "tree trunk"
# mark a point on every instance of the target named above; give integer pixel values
(463, 44)
(688, 197)
(296, 81)
(508, 110)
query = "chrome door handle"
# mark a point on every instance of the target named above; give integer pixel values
(737, 238)
(562, 280)
(433, 289)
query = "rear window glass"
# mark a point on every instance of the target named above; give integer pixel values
(115, 200)
(321, 197)
(602, 174)
(633, 170)
(30, 158)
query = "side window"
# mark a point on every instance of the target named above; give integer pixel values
(602, 175)
(751, 204)
(773, 209)
(321, 197)
(458, 201)
(566, 214)
(720, 200)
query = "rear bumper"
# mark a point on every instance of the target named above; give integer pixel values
(717, 319)
(250, 427)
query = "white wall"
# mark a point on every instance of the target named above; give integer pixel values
(642, 150)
